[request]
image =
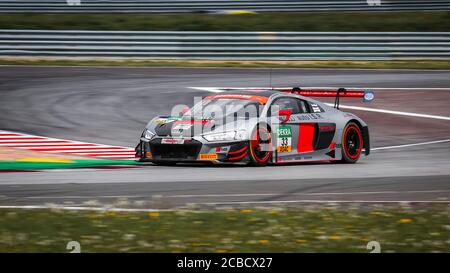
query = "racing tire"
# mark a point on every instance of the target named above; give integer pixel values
(352, 143)
(260, 157)
(164, 163)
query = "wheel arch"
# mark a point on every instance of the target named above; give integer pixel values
(265, 124)
(257, 127)
(365, 134)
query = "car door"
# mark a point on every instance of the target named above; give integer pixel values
(308, 130)
(325, 128)
(287, 133)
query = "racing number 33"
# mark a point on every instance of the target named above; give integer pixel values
(284, 140)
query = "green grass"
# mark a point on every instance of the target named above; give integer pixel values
(22, 165)
(305, 229)
(410, 64)
(322, 21)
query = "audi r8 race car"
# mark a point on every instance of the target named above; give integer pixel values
(258, 127)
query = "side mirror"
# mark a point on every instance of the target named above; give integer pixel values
(285, 114)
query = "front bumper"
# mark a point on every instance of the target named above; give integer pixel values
(191, 150)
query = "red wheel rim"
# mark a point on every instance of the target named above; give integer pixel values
(352, 142)
(260, 136)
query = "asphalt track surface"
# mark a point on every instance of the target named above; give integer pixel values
(112, 105)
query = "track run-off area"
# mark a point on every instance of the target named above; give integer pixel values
(409, 123)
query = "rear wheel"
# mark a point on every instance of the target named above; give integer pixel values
(352, 143)
(260, 148)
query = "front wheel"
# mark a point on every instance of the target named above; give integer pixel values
(260, 148)
(352, 143)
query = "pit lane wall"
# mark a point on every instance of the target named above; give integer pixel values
(217, 6)
(205, 45)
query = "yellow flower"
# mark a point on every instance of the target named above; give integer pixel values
(246, 210)
(221, 251)
(200, 244)
(154, 214)
(405, 221)
(335, 237)
(263, 242)
(110, 213)
(300, 241)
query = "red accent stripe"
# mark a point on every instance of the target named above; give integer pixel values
(193, 121)
(114, 158)
(55, 145)
(306, 138)
(238, 157)
(332, 146)
(36, 141)
(23, 138)
(98, 154)
(69, 149)
(326, 93)
(260, 99)
(238, 151)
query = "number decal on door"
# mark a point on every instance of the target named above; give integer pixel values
(284, 140)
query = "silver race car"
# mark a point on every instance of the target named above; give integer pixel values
(259, 127)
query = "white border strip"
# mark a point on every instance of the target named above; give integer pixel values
(410, 145)
(81, 208)
(384, 111)
(104, 209)
(237, 194)
(323, 202)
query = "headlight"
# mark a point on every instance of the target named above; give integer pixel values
(147, 134)
(226, 136)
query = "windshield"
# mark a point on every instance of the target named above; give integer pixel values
(220, 108)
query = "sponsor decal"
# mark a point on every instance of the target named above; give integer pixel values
(207, 157)
(166, 120)
(284, 140)
(172, 141)
(223, 149)
(304, 117)
(316, 108)
(326, 128)
(181, 127)
(291, 119)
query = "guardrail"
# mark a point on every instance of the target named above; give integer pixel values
(159, 6)
(226, 45)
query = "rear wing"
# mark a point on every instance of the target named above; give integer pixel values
(366, 95)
